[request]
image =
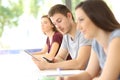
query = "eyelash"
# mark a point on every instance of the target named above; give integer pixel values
(81, 19)
(59, 21)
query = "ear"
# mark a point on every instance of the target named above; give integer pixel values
(69, 15)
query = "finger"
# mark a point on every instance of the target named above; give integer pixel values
(62, 78)
(59, 78)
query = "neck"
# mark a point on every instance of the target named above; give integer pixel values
(73, 31)
(50, 34)
(103, 39)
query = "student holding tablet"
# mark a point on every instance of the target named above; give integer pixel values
(54, 39)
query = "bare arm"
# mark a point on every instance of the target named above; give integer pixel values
(53, 51)
(43, 51)
(93, 68)
(78, 63)
(91, 71)
(61, 56)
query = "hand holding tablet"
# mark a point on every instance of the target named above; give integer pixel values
(50, 61)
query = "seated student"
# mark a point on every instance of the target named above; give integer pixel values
(96, 21)
(54, 38)
(73, 42)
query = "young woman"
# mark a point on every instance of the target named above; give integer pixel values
(96, 21)
(54, 39)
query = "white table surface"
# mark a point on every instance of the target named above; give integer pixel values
(18, 67)
(21, 67)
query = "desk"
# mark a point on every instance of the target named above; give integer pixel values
(21, 67)
(18, 67)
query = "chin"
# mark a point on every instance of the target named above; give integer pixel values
(87, 37)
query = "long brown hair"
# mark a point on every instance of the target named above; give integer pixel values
(100, 14)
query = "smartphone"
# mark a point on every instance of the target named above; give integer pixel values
(50, 61)
(31, 55)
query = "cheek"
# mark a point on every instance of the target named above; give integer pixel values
(42, 27)
(81, 26)
(90, 32)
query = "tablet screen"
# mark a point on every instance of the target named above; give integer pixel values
(31, 55)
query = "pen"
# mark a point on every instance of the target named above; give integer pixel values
(59, 71)
(60, 74)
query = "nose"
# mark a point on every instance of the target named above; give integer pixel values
(58, 26)
(42, 25)
(79, 26)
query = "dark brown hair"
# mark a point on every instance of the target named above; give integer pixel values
(100, 14)
(59, 8)
(46, 16)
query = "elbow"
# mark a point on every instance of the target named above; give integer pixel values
(81, 66)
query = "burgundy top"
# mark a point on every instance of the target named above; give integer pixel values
(57, 37)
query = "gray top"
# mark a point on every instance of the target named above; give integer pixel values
(74, 45)
(99, 49)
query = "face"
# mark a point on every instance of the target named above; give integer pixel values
(84, 24)
(46, 26)
(62, 23)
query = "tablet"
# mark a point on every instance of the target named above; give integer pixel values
(31, 55)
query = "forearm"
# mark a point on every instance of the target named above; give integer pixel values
(38, 53)
(70, 64)
(73, 64)
(82, 76)
(58, 59)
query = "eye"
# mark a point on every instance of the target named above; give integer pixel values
(81, 19)
(45, 22)
(59, 20)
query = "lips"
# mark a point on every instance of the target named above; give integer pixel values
(61, 29)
